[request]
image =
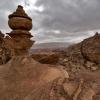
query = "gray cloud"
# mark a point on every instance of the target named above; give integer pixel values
(6, 7)
(59, 20)
(70, 15)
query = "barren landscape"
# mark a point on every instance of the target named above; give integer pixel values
(52, 72)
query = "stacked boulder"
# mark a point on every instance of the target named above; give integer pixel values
(21, 24)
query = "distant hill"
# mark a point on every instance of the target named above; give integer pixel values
(52, 45)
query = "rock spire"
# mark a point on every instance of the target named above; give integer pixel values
(21, 24)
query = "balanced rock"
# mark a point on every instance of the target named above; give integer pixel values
(21, 24)
(20, 20)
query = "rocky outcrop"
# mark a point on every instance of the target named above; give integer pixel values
(18, 42)
(21, 76)
(21, 24)
(90, 48)
(5, 53)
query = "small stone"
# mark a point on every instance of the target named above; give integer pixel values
(74, 69)
(94, 68)
(65, 60)
(89, 64)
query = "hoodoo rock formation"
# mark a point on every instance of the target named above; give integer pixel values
(21, 24)
(22, 75)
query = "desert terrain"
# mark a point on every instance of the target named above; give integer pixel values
(55, 71)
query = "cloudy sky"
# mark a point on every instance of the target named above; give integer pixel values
(56, 20)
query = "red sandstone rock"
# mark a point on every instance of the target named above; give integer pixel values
(20, 20)
(91, 48)
(21, 23)
(21, 76)
(46, 58)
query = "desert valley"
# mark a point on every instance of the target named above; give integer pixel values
(49, 71)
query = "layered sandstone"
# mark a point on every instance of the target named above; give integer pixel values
(21, 24)
(91, 48)
(5, 53)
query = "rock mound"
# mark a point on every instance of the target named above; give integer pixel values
(22, 78)
(21, 75)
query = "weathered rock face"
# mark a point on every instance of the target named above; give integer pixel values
(21, 76)
(21, 23)
(91, 48)
(20, 20)
(5, 53)
(52, 58)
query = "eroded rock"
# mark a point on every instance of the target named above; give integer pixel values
(21, 24)
(91, 48)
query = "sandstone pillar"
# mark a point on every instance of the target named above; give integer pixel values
(21, 24)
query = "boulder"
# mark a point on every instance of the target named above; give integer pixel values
(90, 49)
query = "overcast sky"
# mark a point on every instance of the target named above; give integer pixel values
(56, 20)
